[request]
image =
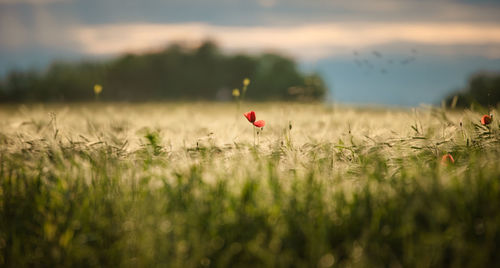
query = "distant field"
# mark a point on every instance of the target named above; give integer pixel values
(188, 185)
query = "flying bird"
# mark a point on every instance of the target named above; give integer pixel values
(407, 60)
(377, 54)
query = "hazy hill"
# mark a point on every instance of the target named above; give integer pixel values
(175, 73)
(483, 88)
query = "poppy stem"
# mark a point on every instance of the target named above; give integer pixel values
(253, 136)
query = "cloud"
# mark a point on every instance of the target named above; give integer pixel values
(36, 27)
(34, 2)
(309, 41)
(267, 3)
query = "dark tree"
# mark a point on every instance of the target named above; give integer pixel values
(175, 73)
(483, 88)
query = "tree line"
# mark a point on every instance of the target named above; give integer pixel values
(177, 72)
(483, 89)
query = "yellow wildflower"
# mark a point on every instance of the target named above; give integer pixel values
(246, 82)
(97, 89)
(236, 92)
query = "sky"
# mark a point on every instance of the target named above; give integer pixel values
(388, 52)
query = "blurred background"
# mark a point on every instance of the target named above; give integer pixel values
(386, 52)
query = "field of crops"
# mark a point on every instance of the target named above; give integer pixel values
(196, 185)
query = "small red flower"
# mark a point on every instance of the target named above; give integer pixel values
(447, 158)
(250, 116)
(260, 123)
(486, 119)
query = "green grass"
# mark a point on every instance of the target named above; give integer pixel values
(182, 185)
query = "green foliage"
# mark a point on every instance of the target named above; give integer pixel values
(176, 73)
(66, 202)
(483, 89)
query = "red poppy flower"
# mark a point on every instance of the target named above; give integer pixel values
(260, 123)
(250, 116)
(486, 120)
(447, 158)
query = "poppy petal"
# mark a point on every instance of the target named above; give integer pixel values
(260, 123)
(486, 120)
(447, 158)
(250, 116)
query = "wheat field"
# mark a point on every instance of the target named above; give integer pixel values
(195, 185)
